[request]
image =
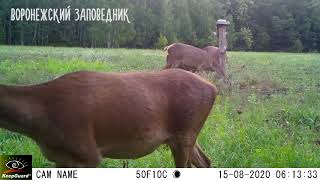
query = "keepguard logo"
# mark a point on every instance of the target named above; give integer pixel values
(15, 167)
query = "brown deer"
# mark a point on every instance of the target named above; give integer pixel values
(81, 117)
(194, 59)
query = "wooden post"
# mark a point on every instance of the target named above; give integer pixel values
(222, 36)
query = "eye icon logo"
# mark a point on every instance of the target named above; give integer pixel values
(15, 167)
(16, 164)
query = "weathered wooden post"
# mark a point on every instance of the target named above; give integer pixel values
(222, 36)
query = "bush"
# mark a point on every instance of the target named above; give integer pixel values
(297, 46)
(244, 39)
(161, 42)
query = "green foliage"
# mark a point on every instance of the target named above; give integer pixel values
(263, 40)
(267, 25)
(244, 39)
(161, 42)
(276, 93)
(2, 39)
(297, 46)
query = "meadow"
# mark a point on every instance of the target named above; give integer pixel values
(267, 116)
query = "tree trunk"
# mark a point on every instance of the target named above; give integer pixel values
(9, 38)
(42, 35)
(4, 30)
(34, 41)
(109, 40)
(21, 35)
(79, 33)
(92, 40)
(84, 38)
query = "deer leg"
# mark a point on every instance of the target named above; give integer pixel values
(181, 153)
(168, 66)
(168, 63)
(181, 157)
(125, 163)
(198, 158)
(189, 165)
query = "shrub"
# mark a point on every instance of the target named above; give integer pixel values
(161, 42)
(297, 46)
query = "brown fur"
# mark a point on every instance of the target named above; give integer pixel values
(81, 117)
(194, 59)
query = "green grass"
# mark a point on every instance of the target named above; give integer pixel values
(267, 117)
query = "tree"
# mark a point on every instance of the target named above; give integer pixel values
(162, 42)
(167, 20)
(262, 25)
(244, 40)
(297, 46)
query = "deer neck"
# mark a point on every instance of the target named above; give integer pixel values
(18, 110)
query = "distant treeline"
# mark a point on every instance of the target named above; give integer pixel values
(260, 25)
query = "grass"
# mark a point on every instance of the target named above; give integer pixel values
(267, 117)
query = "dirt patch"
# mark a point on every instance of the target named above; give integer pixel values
(247, 84)
(263, 87)
(269, 87)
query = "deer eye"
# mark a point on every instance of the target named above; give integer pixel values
(14, 164)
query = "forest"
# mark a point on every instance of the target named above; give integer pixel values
(255, 25)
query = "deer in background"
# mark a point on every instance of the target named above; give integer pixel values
(194, 59)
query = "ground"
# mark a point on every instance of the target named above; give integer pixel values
(268, 115)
